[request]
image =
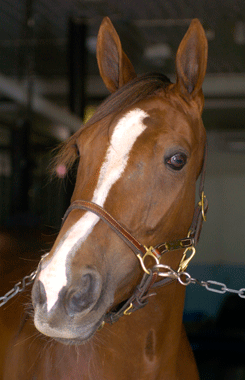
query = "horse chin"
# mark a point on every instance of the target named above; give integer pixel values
(79, 334)
(75, 341)
(72, 342)
(81, 340)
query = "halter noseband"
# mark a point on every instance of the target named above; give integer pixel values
(139, 298)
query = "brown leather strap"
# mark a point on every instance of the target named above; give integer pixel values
(197, 221)
(203, 172)
(138, 300)
(129, 239)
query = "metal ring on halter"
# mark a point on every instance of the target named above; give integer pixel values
(184, 281)
(149, 252)
(169, 274)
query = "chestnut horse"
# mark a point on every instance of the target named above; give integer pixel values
(139, 158)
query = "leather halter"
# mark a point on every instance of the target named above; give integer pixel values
(139, 298)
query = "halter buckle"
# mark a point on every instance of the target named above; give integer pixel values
(149, 252)
(201, 203)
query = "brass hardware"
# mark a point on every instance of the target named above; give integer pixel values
(101, 326)
(171, 246)
(127, 311)
(149, 252)
(184, 262)
(201, 204)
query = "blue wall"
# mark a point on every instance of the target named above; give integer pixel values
(201, 302)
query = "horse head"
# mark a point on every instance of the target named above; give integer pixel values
(139, 158)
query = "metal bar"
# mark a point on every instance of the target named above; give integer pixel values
(161, 22)
(12, 90)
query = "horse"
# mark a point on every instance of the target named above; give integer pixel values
(108, 298)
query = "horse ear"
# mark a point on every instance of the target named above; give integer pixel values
(115, 67)
(191, 63)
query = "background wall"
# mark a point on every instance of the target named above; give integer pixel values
(221, 250)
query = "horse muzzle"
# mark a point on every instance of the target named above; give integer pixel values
(78, 311)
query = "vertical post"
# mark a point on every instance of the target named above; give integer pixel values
(77, 57)
(20, 144)
(21, 167)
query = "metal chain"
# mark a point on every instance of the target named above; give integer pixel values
(18, 288)
(21, 285)
(185, 279)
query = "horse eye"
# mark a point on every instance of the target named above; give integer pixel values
(177, 161)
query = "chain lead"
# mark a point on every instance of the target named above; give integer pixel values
(18, 288)
(21, 285)
(185, 279)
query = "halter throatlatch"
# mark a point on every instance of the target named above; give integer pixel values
(141, 294)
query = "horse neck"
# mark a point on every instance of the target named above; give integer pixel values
(148, 340)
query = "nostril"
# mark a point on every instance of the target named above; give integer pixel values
(78, 301)
(84, 296)
(38, 293)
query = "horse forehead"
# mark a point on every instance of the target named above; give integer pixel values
(170, 119)
(170, 112)
(164, 113)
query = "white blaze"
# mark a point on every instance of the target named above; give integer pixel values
(126, 132)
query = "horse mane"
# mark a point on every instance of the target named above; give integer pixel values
(134, 91)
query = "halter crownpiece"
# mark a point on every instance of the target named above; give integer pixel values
(139, 298)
